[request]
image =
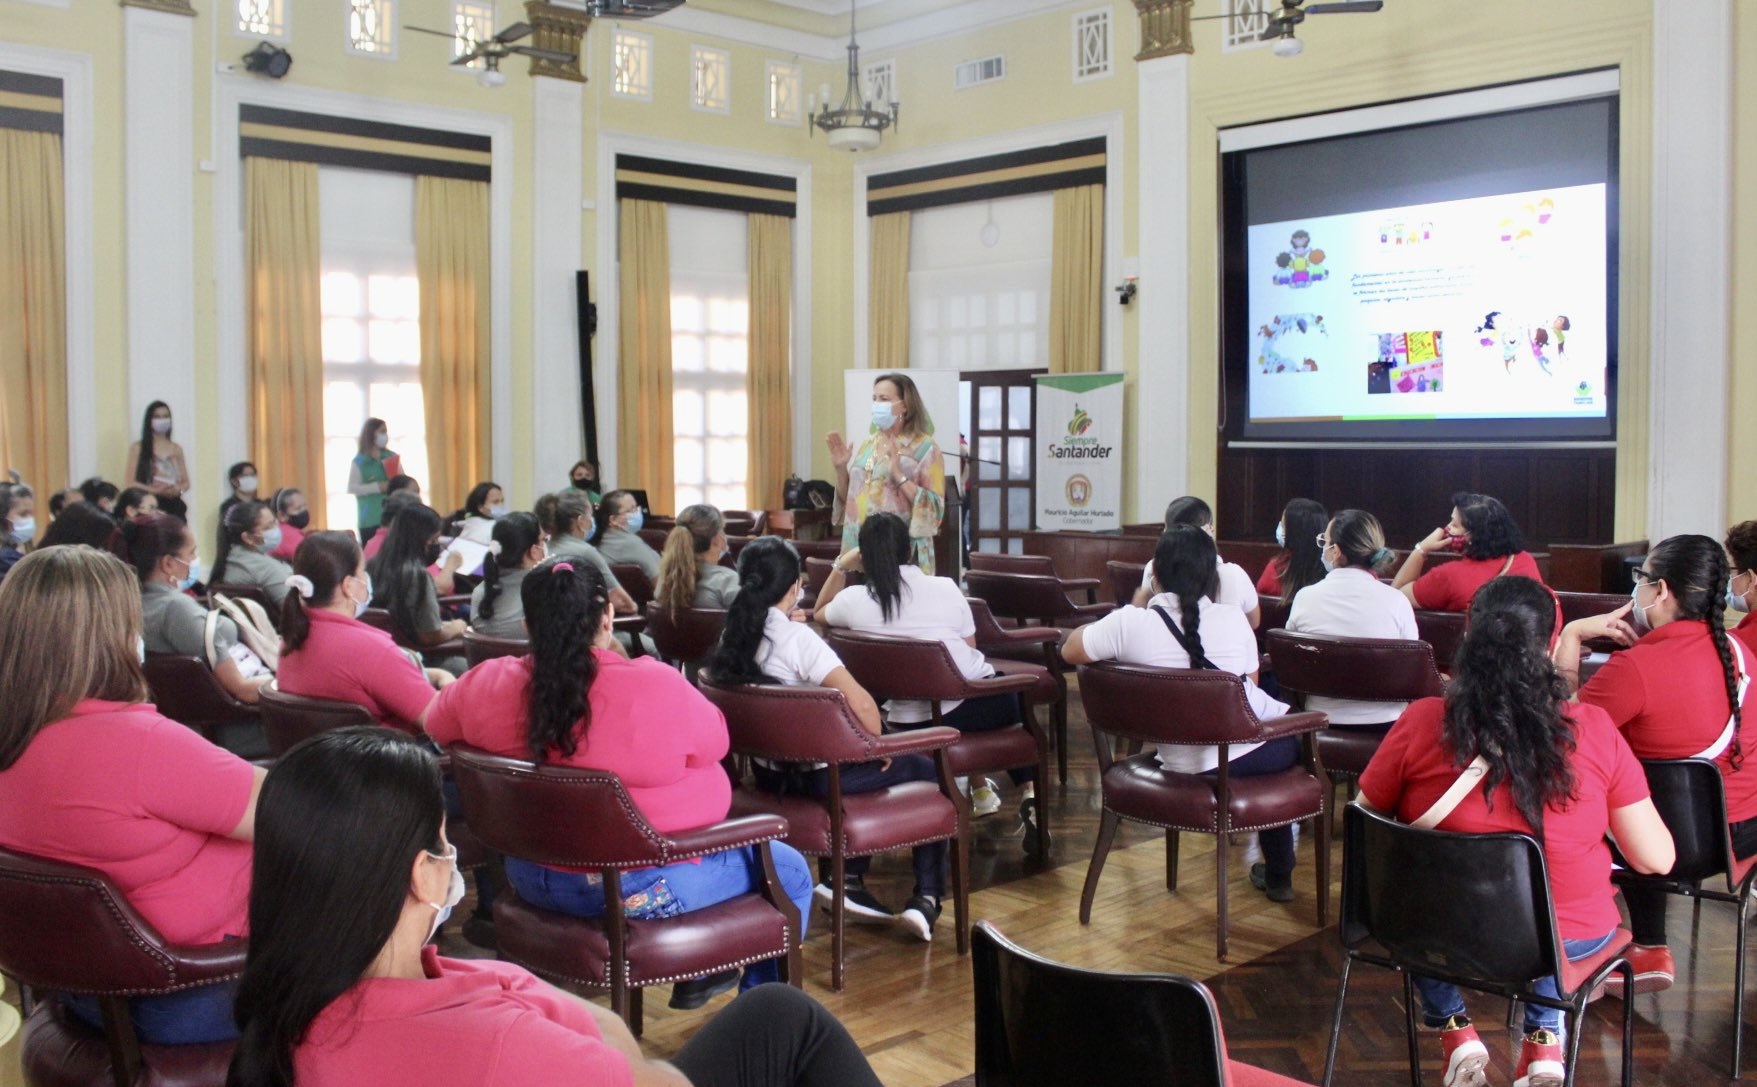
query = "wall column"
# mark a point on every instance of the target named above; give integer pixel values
(158, 155)
(1692, 267)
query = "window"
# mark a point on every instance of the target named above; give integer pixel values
(471, 24)
(784, 84)
(1249, 19)
(263, 18)
(1091, 45)
(372, 27)
(631, 61)
(710, 341)
(710, 79)
(973, 73)
(880, 80)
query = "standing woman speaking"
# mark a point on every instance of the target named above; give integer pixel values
(897, 469)
(369, 475)
(156, 462)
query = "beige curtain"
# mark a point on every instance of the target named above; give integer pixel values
(643, 408)
(1076, 281)
(452, 264)
(771, 354)
(887, 311)
(283, 262)
(33, 309)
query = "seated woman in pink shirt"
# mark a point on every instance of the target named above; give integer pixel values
(91, 774)
(577, 701)
(327, 652)
(353, 876)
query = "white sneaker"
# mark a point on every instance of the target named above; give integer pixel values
(984, 799)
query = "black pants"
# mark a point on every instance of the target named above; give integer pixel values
(774, 1036)
(1647, 904)
(1271, 758)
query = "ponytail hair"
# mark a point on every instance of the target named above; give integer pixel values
(324, 559)
(768, 569)
(697, 527)
(1187, 566)
(1188, 510)
(516, 533)
(565, 601)
(885, 549)
(241, 518)
(147, 539)
(1360, 540)
(1506, 702)
(1695, 569)
(606, 510)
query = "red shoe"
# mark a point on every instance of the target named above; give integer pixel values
(1540, 1061)
(1654, 971)
(1467, 1059)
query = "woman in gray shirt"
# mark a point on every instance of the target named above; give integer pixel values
(496, 608)
(248, 533)
(567, 517)
(690, 574)
(619, 519)
(162, 549)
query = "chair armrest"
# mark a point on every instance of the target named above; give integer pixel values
(629, 624)
(1087, 585)
(1008, 637)
(451, 647)
(455, 600)
(1294, 724)
(1000, 683)
(732, 834)
(915, 741)
(198, 964)
(1087, 612)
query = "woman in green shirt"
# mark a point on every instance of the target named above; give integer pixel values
(370, 474)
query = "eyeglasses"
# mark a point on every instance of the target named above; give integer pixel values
(1323, 541)
(1645, 575)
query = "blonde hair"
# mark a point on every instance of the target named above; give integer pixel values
(69, 617)
(688, 542)
(916, 420)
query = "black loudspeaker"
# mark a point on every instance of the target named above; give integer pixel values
(588, 317)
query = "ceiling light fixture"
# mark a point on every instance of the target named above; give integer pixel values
(854, 125)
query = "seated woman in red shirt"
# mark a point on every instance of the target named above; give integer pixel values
(354, 874)
(577, 701)
(91, 774)
(1555, 770)
(1299, 563)
(1741, 587)
(1489, 539)
(1676, 692)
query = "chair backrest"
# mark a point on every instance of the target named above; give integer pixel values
(289, 718)
(685, 635)
(554, 815)
(1272, 613)
(635, 582)
(1368, 669)
(817, 571)
(792, 724)
(987, 630)
(744, 522)
(482, 647)
(889, 666)
(380, 619)
(1012, 564)
(185, 690)
(654, 534)
(1125, 578)
(1474, 907)
(818, 549)
(1584, 605)
(1167, 705)
(1019, 596)
(69, 929)
(1045, 1024)
(1444, 630)
(1691, 798)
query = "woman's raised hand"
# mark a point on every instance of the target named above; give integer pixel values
(840, 453)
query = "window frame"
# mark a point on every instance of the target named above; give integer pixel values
(644, 42)
(387, 17)
(723, 58)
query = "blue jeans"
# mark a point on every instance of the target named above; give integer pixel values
(190, 1017)
(671, 889)
(1440, 1000)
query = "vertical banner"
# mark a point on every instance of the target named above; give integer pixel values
(1079, 451)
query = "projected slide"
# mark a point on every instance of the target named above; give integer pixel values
(1486, 308)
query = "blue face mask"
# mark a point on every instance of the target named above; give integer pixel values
(882, 415)
(636, 519)
(188, 580)
(25, 528)
(1280, 535)
(271, 539)
(361, 606)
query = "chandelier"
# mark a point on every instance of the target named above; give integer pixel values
(854, 125)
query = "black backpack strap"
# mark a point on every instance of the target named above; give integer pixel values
(1198, 659)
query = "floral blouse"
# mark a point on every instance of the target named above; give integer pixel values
(870, 490)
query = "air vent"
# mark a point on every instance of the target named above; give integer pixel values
(974, 72)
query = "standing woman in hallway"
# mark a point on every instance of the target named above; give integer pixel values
(369, 475)
(156, 462)
(897, 469)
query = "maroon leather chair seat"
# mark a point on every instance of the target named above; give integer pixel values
(68, 929)
(185, 690)
(890, 667)
(1365, 669)
(814, 724)
(1031, 598)
(634, 581)
(482, 647)
(1030, 651)
(1196, 708)
(687, 636)
(572, 818)
(1034, 564)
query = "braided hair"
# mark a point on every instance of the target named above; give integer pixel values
(565, 601)
(768, 569)
(1694, 568)
(1187, 566)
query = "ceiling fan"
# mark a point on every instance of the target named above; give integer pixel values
(1291, 13)
(629, 9)
(490, 51)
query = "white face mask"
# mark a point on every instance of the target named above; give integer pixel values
(247, 484)
(1280, 535)
(1324, 557)
(1734, 600)
(140, 648)
(1639, 615)
(361, 605)
(25, 528)
(381, 439)
(453, 893)
(497, 511)
(161, 426)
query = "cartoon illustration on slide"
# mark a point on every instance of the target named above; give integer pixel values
(1523, 224)
(1545, 341)
(1393, 235)
(1299, 262)
(1408, 362)
(1289, 343)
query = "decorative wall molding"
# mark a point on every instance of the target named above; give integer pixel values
(951, 19)
(562, 29)
(168, 7)
(1165, 28)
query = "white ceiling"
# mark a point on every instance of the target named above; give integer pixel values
(818, 29)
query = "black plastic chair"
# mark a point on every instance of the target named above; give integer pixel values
(1471, 909)
(1691, 797)
(1044, 1024)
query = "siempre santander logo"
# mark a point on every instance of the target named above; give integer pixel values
(1077, 445)
(1080, 423)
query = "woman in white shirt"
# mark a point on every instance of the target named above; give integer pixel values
(762, 644)
(485, 505)
(899, 598)
(1182, 627)
(1234, 585)
(1351, 602)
